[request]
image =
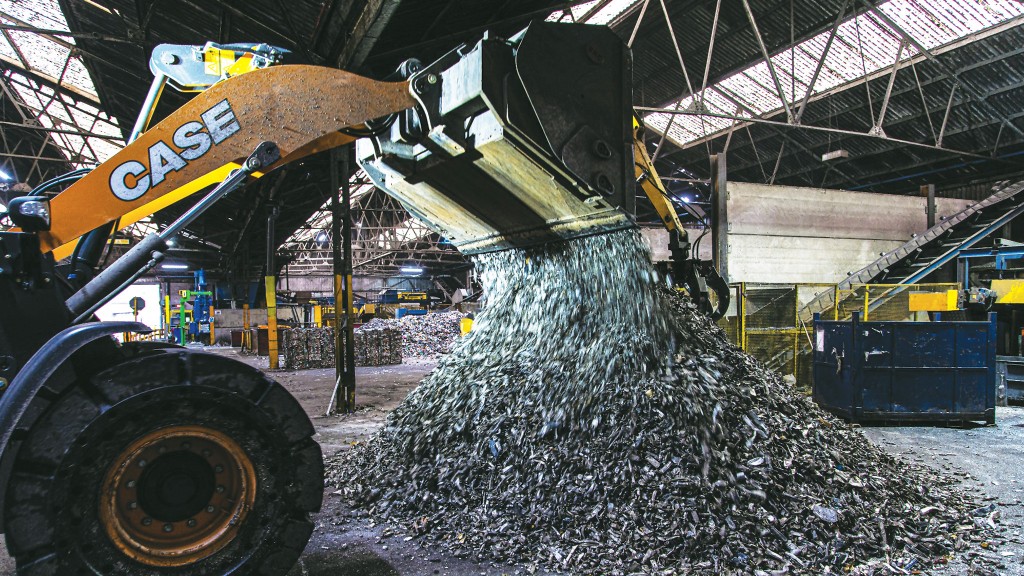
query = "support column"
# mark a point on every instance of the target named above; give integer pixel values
(271, 288)
(339, 348)
(344, 395)
(349, 377)
(720, 226)
(928, 190)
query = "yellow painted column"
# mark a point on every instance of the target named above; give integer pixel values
(246, 340)
(167, 315)
(272, 321)
(350, 389)
(213, 340)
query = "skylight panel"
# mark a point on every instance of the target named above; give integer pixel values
(51, 58)
(611, 12)
(933, 23)
(585, 12)
(321, 219)
(754, 95)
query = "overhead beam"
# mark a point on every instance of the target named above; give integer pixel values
(366, 32)
(1009, 24)
(768, 60)
(942, 65)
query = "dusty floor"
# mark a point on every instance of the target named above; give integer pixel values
(989, 460)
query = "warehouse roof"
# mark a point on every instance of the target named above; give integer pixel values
(89, 98)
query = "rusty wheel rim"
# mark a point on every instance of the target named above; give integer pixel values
(177, 495)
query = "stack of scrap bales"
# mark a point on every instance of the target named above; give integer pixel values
(314, 347)
(308, 348)
(378, 345)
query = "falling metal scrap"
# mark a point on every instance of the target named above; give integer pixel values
(595, 423)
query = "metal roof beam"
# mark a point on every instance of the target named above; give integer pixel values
(821, 61)
(768, 60)
(871, 5)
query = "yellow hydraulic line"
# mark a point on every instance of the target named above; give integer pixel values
(339, 349)
(867, 300)
(350, 393)
(167, 314)
(272, 321)
(743, 316)
(246, 340)
(215, 177)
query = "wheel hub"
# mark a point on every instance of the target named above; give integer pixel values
(177, 495)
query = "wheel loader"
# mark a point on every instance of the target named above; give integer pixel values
(147, 458)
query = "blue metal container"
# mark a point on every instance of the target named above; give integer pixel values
(906, 371)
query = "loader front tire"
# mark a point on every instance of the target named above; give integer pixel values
(170, 463)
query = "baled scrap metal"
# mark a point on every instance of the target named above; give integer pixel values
(314, 347)
(615, 430)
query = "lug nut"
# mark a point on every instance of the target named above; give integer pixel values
(206, 453)
(147, 521)
(168, 527)
(220, 488)
(191, 523)
(130, 484)
(142, 463)
(133, 505)
(218, 468)
(210, 509)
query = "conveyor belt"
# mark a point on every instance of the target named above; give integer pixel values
(927, 252)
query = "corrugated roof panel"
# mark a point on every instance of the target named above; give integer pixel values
(747, 88)
(52, 60)
(715, 101)
(865, 36)
(6, 50)
(863, 45)
(321, 219)
(614, 10)
(608, 13)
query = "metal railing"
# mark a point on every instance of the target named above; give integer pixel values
(767, 320)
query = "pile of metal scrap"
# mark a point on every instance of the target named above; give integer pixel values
(614, 430)
(314, 347)
(426, 336)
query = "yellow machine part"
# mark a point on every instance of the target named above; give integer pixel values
(465, 325)
(412, 296)
(218, 62)
(651, 183)
(1008, 291)
(219, 126)
(934, 301)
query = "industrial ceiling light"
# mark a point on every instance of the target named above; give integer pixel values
(835, 155)
(410, 270)
(5, 176)
(174, 266)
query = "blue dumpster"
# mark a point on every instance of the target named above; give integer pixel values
(906, 371)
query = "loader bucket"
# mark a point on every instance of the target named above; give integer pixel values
(514, 142)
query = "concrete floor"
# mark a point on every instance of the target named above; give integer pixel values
(988, 460)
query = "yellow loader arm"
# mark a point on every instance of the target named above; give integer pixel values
(647, 176)
(300, 108)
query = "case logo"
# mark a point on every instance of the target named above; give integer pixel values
(131, 179)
